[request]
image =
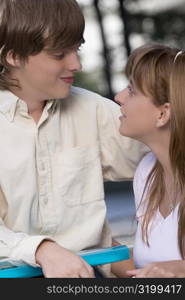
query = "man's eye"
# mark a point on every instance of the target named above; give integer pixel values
(67, 51)
(59, 56)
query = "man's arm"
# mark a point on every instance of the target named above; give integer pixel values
(18, 246)
(54, 260)
(57, 261)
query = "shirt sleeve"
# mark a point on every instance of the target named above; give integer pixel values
(18, 247)
(120, 155)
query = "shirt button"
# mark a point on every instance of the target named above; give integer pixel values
(45, 200)
(42, 167)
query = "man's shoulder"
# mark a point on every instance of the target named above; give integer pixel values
(78, 91)
(84, 98)
(82, 94)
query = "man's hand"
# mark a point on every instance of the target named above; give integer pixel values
(166, 269)
(57, 261)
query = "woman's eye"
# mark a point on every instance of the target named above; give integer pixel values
(79, 48)
(130, 90)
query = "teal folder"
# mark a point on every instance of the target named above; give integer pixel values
(93, 257)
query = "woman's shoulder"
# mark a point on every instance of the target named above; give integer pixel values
(143, 170)
(146, 164)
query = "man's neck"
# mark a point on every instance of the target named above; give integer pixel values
(35, 106)
(36, 113)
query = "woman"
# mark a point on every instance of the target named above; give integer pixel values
(153, 112)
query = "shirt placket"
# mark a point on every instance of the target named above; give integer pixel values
(46, 198)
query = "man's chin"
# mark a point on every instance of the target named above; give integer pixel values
(62, 94)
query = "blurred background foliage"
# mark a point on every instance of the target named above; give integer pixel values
(115, 27)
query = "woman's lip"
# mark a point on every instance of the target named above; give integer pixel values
(122, 112)
(68, 79)
(122, 116)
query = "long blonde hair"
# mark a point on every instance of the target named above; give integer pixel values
(149, 67)
(177, 141)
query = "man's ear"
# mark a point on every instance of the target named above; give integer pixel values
(164, 115)
(11, 60)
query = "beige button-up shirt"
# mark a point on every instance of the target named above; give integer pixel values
(52, 172)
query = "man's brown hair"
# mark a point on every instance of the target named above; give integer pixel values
(29, 26)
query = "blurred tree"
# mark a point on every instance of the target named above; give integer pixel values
(106, 50)
(126, 30)
(165, 26)
(91, 81)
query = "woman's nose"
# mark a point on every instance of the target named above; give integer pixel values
(119, 98)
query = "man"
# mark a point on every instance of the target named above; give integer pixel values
(57, 143)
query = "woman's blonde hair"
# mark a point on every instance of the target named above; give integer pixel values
(29, 26)
(177, 142)
(157, 74)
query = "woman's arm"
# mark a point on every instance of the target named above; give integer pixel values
(166, 269)
(120, 268)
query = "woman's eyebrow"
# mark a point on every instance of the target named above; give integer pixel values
(130, 81)
(132, 84)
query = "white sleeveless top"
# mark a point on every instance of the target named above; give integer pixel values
(163, 232)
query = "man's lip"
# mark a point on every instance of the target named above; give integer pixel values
(67, 79)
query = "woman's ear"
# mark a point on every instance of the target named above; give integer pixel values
(164, 115)
(11, 60)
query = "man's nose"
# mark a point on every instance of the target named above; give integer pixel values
(73, 61)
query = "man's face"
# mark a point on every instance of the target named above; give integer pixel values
(46, 76)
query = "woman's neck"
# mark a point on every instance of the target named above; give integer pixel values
(160, 147)
(171, 196)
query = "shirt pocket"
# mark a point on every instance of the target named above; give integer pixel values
(79, 175)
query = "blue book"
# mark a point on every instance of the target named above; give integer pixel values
(93, 257)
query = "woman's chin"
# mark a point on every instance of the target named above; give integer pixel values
(123, 132)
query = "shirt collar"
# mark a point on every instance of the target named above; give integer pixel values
(10, 102)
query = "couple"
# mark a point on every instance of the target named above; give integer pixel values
(59, 143)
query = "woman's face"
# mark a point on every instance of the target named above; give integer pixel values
(138, 114)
